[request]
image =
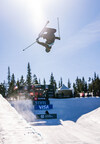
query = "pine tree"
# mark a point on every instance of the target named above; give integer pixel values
(18, 83)
(29, 77)
(52, 81)
(61, 82)
(89, 79)
(44, 82)
(39, 81)
(2, 89)
(55, 85)
(96, 85)
(75, 89)
(35, 81)
(69, 84)
(84, 85)
(12, 84)
(59, 85)
(22, 81)
(8, 76)
(95, 76)
(78, 85)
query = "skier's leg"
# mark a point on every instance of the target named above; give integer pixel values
(41, 43)
(47, 49)
(45, 45)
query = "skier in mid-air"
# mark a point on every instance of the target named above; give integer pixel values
(48, 34)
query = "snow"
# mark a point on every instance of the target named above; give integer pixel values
(81, 129)
(14, 129)
(78, 122)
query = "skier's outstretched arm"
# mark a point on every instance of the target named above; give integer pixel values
(57, 38)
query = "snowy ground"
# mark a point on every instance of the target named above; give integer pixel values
(14, 129)
(85, 131)
(78, 122)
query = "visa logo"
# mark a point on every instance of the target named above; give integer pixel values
(44, 107)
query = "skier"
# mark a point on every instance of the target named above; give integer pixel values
(46, 112)
(48, 34)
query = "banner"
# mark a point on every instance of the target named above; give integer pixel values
(47, 102)
(43, 107)
(46, 116)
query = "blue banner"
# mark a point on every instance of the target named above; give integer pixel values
(41, 102)
(43, 107)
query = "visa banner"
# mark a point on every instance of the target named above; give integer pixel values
(43, 107)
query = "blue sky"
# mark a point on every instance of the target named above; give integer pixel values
(76, 54)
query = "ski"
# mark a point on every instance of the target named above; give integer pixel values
(58, 27)
(29, 46)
